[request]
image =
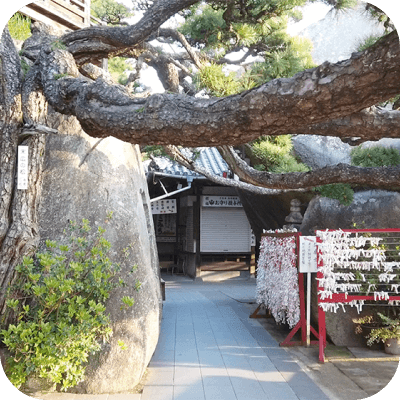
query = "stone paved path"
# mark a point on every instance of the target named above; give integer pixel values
(209, 349)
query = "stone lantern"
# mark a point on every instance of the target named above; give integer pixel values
(294, 219)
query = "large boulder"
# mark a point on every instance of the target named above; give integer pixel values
(85, 178)
(320, 151)
(370, 209)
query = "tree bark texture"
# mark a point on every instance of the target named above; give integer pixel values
(18, 208)
(281, 106)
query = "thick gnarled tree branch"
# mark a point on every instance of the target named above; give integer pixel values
(97, 42)
(281, 106)
(370, 124)
(340, 173)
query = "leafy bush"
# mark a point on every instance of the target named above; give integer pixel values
(390, 330)
(58, 301)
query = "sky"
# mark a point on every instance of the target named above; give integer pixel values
(311, 13)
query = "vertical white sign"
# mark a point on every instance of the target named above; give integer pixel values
(308, 264)
(22, 166)
(308, 254)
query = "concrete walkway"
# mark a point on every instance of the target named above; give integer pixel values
(209, 349)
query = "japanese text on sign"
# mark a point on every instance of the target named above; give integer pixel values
(164, 206)
(22, 172)
(308, 254)
(221, 201)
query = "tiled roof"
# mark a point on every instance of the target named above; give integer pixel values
(208, 158)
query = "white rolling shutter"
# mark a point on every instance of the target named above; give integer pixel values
(224, 230)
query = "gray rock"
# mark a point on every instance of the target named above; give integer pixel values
(81, 181)
(320, 151)
(370, 209)
(385, 142)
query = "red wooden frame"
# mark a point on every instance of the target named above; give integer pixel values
(340, 297)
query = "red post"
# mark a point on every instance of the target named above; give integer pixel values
(321, 313)
(302, 309)
(322, 334)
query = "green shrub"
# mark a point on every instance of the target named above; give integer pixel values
(389, 330)
(376, 156)
(339, 191)
(58, 301)
(274, 153)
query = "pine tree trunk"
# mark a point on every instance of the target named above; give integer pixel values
(18, 208)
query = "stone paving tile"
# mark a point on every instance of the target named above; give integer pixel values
(248, 390)
(160, 376)
(166, 356)
(214, 392)
(278, 391)
(194, 392)
(129, 396)
(68, 396)
(187, 375)
(158, 392)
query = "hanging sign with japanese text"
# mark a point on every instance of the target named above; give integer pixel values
(221, 201)
(164, 206)
(308, 254)
(22, 172)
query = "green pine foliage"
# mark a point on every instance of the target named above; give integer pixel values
(19, 27)
(117, 67)
(274, 154)
(204, 25)
(339, 191)
(216, 81)
(110, 11)
(368, 42)
(294, 58)
(283, 54)
(375, 156)
(58, 303)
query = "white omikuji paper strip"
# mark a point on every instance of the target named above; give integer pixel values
(277, 279)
